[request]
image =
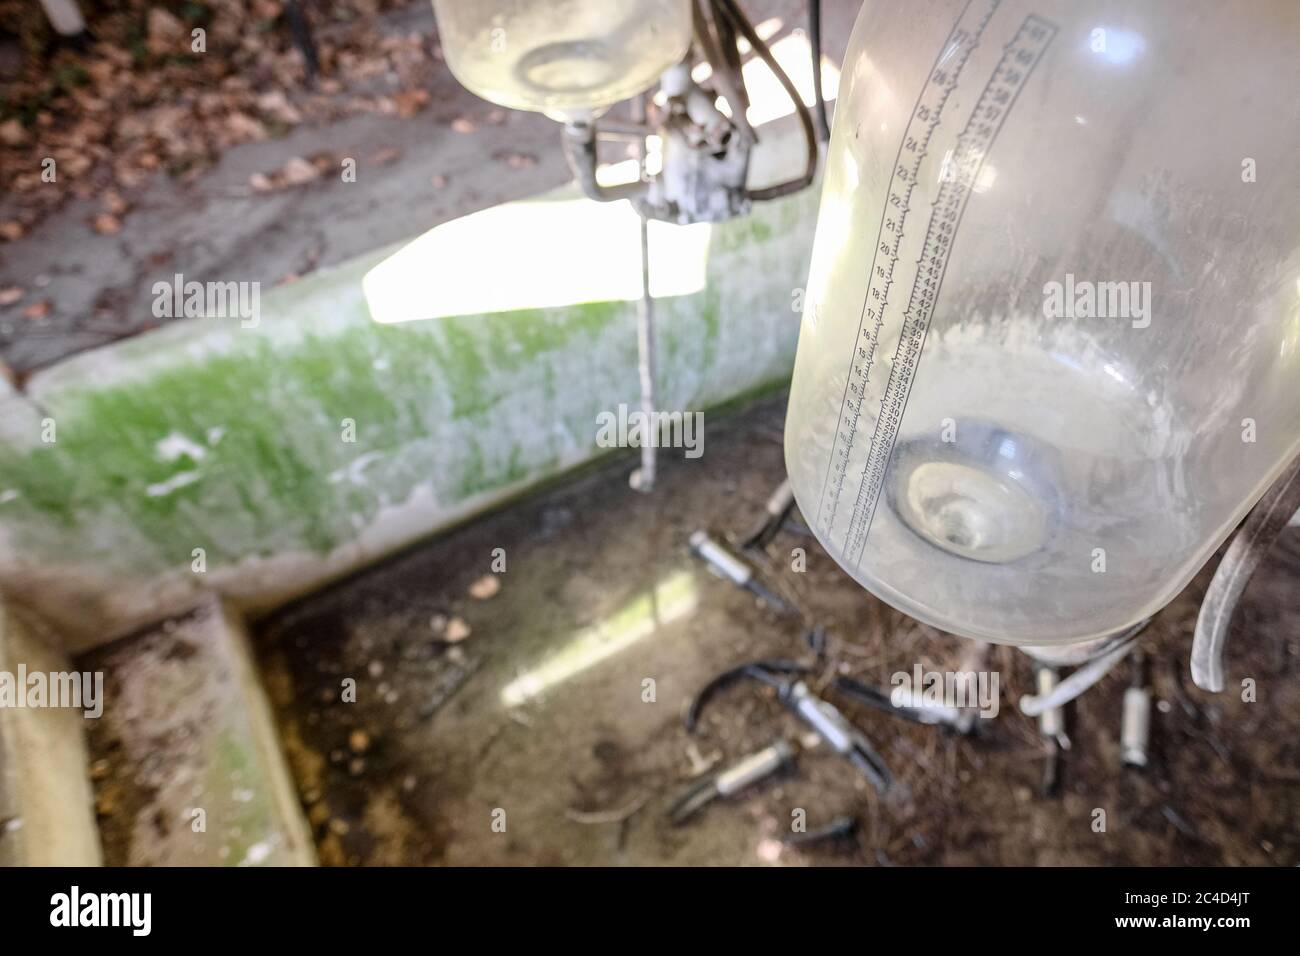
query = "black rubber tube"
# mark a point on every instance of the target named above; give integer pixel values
(815, 40)
(746, 29)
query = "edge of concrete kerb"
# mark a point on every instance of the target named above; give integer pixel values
(261, 718)
(47, 811)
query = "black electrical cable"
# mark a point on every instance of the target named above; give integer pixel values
(302, 36)
(746, 29)
(765, 672)
(815, 40)
(717, 45)
(704, 36)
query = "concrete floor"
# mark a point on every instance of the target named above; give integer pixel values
(598, 578)
(536, 715)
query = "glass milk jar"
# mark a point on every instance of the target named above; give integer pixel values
(1048, 357)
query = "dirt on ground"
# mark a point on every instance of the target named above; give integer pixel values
(156, 88)
(533, 715)
(130, 156)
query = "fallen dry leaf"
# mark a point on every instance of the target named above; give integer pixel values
(277, 106)
(462, 124)
(113, 203)
(517, 160)
(298, 171)
(11, 294)
(324, 162)
(107, 225)
(457, 631)
(165, 32)
(12, 133)
(485, 587)
(410, 102)
(11, 229)
(244, 127)
(38, 310)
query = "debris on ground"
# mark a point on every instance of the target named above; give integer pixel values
(142, 95)
(610, 656)
(457, 630)
(485, 587)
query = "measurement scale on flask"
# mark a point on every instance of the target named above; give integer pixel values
(910, 257)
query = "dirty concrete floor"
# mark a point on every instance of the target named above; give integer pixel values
(538, 714)
(181, 769)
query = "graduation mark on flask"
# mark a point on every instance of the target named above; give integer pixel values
(888, 319)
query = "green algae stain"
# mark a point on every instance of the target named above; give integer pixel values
(465, 405)
(238, 825)
(273, 471)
